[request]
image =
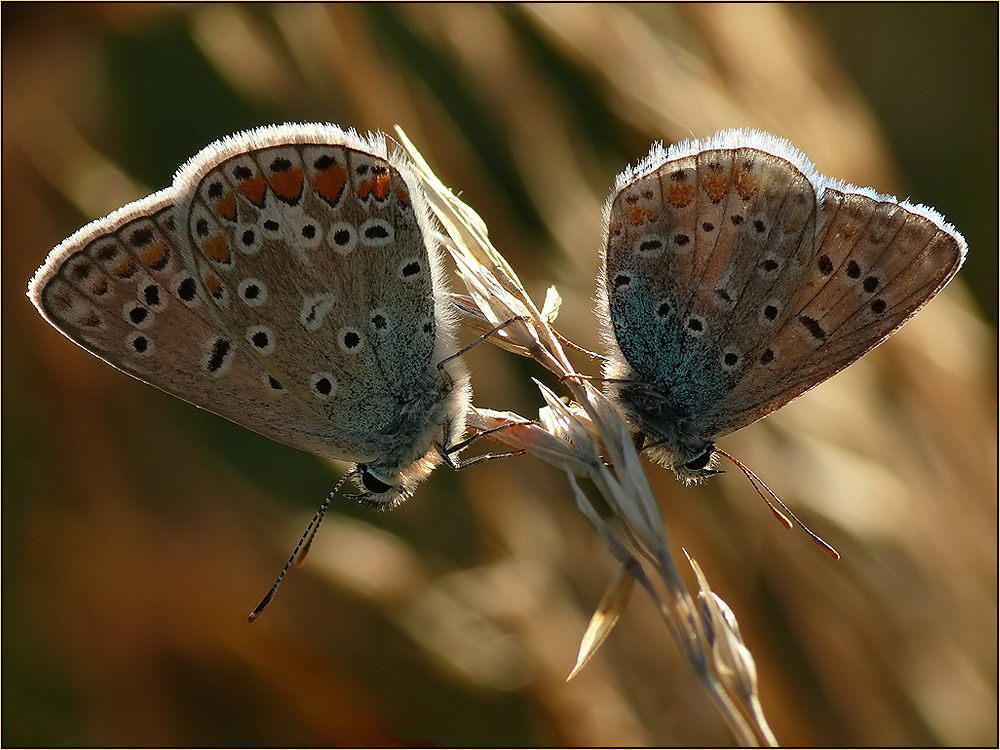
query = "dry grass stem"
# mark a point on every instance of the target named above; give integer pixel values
(588, 437)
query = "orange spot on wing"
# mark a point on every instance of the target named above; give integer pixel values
(633, 214)
(403, 196)
(383, 185)
(226, 206)
(213, 285)
(124, 269)
(715, 186)
(253, 189)
(217, 248)
(637, 214)
(746, 181)
(330, 183)
(679, 194)
(288, 184)
(377, 187)
(155, 256)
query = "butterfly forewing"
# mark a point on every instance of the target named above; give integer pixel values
(119, 288)
(873, 265)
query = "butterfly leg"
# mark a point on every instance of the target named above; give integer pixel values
(447, 453)
(478, 341)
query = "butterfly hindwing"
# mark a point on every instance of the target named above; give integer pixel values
(332, 322)
(727, 228)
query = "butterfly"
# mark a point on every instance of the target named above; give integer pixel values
(735, 277)
(290, 281)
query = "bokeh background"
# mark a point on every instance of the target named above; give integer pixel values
(139, 531)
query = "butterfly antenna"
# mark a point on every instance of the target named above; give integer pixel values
(302, 548)
(476, 342)
(577, 347)
(758, 483)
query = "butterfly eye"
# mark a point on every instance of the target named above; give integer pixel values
(372, 483)
(699, 463)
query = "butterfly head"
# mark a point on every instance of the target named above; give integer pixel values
(414, 442)
(691, 464)
(388, 481)
(377, 490)
(666, 431)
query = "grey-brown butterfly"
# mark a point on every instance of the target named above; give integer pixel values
(289, 280)
(735, 277)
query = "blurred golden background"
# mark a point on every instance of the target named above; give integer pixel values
(138, 531)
